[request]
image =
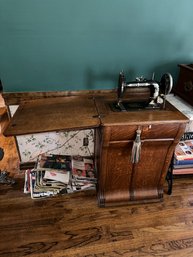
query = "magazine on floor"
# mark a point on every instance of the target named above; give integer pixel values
(54, 161)
(60, 174)
(39, 186)
(83, 168)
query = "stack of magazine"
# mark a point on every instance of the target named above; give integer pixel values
(60, 174)
(183, 157)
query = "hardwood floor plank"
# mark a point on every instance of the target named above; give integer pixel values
(10, 161)
(69, 235)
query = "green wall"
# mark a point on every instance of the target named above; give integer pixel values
(50, 45)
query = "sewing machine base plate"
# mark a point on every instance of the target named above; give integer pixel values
(133, 106)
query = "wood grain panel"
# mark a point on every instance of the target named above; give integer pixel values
(73, 225)
(122, 181)
(17, 98)
(53, 114)
(153, 131)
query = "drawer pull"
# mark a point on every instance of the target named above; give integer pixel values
(136, 149)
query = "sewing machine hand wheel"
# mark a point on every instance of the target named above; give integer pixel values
(166, 84)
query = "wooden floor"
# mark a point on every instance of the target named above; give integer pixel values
(10, 160)
(75, 226)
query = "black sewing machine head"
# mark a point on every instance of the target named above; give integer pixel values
(155, 99)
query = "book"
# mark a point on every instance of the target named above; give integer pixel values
(182, 166)
(183, 162)
(182, 171)
(184, 150)
(187, 136)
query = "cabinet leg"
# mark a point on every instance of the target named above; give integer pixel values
(169, 177)
(101, 199)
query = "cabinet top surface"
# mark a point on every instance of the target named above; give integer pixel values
(81, 112)
(108, 117)
(53, 114)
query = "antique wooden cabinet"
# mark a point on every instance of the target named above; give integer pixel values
(121, 180)
(184, 86)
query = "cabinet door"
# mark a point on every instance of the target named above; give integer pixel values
(152, 167)
(115, 173)
(122, 181)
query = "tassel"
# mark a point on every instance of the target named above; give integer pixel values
(136, 150)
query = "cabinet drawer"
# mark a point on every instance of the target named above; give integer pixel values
(152, 131)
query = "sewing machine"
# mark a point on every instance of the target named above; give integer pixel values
(155, 99)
